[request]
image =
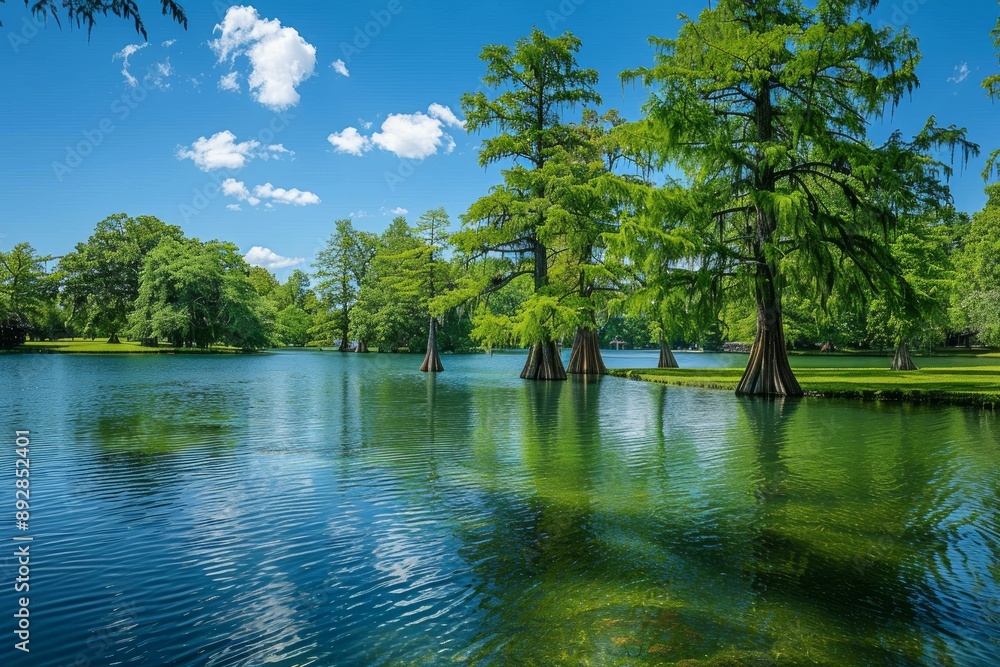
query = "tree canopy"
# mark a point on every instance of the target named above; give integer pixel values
(765, 106)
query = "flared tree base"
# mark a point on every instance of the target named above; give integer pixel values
(544, 363)
(768, 372)
(667, 359)
(113, 340)
(585, 359)
(902, 361)
(432, 360)
(362, 347)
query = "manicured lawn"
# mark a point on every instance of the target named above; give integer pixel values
(101, 346)
(964, 386)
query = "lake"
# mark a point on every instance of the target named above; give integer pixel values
(318, 508)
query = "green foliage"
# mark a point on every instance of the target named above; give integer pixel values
(294, 325)
(341, 267)
(978, 269)
(27, 291)
(390, 307)
(13, 331)
(529, 219)
(199, 294)
(765, 107)
(634, 331)
(84, 12)
(101, 276)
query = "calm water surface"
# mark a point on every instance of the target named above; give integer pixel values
(308, 508)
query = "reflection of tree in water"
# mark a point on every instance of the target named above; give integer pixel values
(567, 574)
(143, 446)
(836, 567)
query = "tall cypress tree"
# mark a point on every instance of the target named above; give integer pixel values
(766, 104)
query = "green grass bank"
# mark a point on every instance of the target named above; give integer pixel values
(975, 386)
(80, 346)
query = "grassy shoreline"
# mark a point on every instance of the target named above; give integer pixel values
(974, 387)
(103, 347)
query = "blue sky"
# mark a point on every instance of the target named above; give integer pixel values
(214, 130)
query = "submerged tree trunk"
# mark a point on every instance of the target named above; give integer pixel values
(768, 372)
(544, 363)
(902, 360)
(585, 359)
(113, 339)
(362, 346)
(432, 360)
(667, 359)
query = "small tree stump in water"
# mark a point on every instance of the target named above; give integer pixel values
(902, 361)
(585, 359)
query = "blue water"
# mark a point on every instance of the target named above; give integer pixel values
(316, 508)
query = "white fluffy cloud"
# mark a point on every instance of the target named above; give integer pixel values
(221, 151)
(233, 188)
(268, 194)
(280, 195)
(961, 73)
(399, 210)
(269, 259)
(230, 82)
(340, 67)
(414, 136)
(445, 115)
(350, 141)
(123, 55)
(280, 59)
(275, 151)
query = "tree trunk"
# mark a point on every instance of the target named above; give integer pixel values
(544, 363)
(667, 359)
(828, 346)
(362, 346)
(432, 360)
(585, 359)
(902, 360)
(768, 372)
(113, 340)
